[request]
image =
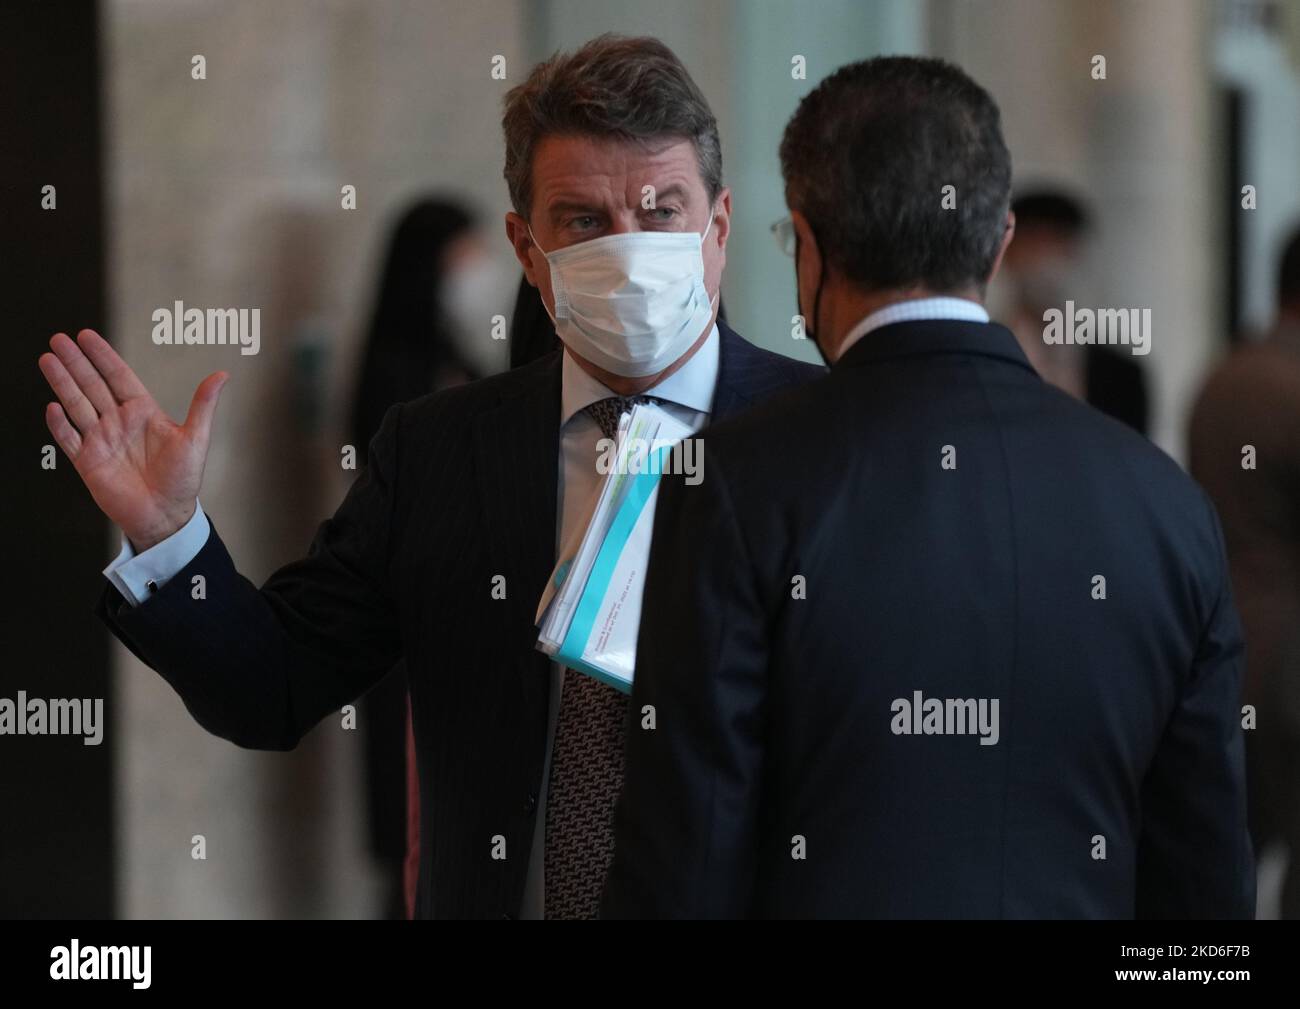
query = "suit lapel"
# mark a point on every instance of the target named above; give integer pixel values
(734, 362)
(517, 456)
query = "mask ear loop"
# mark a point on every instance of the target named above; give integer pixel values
(554, 293)
(717, 297)
(535, 242)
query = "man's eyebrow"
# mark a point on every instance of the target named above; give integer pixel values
(565, 205)
(675, 190)
(569, 205)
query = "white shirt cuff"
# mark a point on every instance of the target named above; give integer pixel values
(138, 576)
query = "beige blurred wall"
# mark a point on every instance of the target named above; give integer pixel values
(1140, 145)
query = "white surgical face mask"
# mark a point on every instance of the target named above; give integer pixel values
(632, 303)
(472, 295)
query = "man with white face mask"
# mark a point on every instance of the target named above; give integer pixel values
(444, 544)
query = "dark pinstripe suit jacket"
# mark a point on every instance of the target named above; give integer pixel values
(459, 496)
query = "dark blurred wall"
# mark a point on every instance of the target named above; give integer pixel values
(56, 831)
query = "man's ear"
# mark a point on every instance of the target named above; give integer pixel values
(1008, 233)
(517, 232)
(721, 219)
(808, 265)
(715, 244)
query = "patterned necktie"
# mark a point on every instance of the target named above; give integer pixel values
(606, 412)
(586, 766)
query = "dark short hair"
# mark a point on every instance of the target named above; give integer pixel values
(1288, 272)
(1051, 208)
(614, 86)
(866, 159)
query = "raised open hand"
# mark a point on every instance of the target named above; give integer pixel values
(142, 469)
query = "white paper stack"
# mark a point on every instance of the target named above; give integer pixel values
(590, 611)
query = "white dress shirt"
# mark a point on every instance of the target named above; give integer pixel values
(687, 396)
(914, 310)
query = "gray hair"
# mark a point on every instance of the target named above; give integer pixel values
(629, 88)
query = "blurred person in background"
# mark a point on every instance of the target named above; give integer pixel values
(1245, 450)
(430, 327)
(430, 330)
(1041, 270)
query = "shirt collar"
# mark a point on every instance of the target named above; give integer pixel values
(690, 386)
(913, 310)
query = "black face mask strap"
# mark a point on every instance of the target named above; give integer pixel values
(811, 332)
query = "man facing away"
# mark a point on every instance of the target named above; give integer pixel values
(442, 548)
(932, 638)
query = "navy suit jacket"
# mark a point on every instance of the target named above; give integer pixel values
(460, 488)
(931, 518)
